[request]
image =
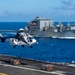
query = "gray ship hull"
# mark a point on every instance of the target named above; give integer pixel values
(42, 27)
(68, 33)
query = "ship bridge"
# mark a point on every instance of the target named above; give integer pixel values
(39, 24)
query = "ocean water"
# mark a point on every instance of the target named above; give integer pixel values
(47, 49)
(12, 25)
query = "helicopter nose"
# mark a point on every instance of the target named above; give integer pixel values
(34, 41)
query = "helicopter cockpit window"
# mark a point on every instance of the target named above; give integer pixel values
(29, 39)
(21, 31)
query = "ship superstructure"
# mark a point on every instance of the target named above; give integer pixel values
(43, 27)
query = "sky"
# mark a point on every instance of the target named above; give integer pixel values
(26, 10)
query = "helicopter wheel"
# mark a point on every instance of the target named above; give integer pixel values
(30, 46)
(22, 45)
(14, 46)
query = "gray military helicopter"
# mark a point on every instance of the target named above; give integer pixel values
(20, 39)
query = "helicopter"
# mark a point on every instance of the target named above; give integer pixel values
(20, 39)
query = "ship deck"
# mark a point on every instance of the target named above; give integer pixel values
(33, 67)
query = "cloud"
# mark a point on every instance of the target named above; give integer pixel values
(1, 14)
(66, 5)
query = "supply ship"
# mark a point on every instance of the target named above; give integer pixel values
(42, 27)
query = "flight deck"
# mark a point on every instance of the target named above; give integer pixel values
(11, 65)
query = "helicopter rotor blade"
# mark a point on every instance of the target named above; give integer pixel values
(8, 30)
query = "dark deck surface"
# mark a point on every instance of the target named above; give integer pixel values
(31, 67)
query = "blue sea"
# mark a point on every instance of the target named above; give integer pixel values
(47, 49)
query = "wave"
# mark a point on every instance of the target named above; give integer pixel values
(66, 37)
(63, 37)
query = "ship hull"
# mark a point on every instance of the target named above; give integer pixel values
(68, 33)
